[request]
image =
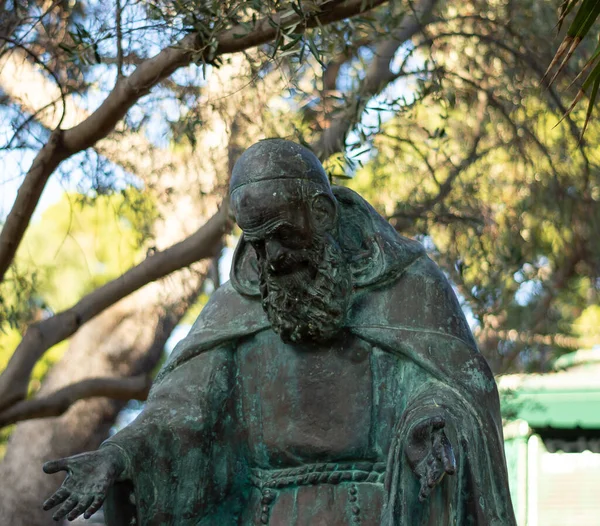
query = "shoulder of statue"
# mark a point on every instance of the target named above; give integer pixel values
(226, 317)
(229, 312)
(419, 299)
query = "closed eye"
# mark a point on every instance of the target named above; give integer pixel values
(290, 237)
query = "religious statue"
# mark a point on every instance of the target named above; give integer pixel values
(332, 381)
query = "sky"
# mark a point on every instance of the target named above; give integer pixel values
(12, 165)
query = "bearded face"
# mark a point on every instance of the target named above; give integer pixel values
(305, 292)
(305, 281)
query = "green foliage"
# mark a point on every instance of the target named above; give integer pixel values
(507, 201)
(588, 324)
(16, 298)
(77, 245)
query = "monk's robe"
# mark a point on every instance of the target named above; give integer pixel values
(243, 429)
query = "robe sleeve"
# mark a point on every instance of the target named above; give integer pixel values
(180, 449)
(477, 494)
(419, 319)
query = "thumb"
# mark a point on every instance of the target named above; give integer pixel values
(54, 466)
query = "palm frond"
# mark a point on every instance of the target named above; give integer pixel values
(582, 23)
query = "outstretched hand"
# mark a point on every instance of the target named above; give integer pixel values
(89, 476)
(430, 454)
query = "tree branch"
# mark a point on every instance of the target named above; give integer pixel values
(119, 37)
(36, 95)
(128, 91)
(445, 188)
(377, 77)
(42, 335)
(560, 279)
(529, 338)
(57, 403)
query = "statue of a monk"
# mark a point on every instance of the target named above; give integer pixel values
(332, 381)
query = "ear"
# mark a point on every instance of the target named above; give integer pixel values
(244, 270)
(324, 212)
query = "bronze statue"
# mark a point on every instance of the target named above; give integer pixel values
(332, 381)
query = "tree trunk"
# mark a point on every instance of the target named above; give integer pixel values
(125, 340)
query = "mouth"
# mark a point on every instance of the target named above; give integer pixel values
(287, 268)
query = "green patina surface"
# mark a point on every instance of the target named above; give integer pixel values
(372, 407)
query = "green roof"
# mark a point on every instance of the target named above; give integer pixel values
(564, 408)
(564, 400)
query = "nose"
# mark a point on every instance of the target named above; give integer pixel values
(274, 249)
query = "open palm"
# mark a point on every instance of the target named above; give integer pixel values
(89, 477)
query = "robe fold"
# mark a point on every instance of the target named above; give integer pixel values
(186, 462)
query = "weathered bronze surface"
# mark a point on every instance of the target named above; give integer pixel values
(332, 381)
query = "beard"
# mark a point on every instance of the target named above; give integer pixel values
(310, 303)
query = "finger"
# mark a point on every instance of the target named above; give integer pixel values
(442, 450)
(447, 456)
(435, 473)
(94, 507)
(53, 466)
(67, 506)
(80, 508)
(437, 446)
(57, 498)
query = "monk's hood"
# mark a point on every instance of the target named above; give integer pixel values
(376, 252)
(379, 255)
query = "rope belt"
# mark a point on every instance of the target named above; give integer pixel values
(312, 474)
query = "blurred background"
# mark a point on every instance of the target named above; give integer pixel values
(113, 174)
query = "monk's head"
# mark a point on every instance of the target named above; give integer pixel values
(284, 205)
